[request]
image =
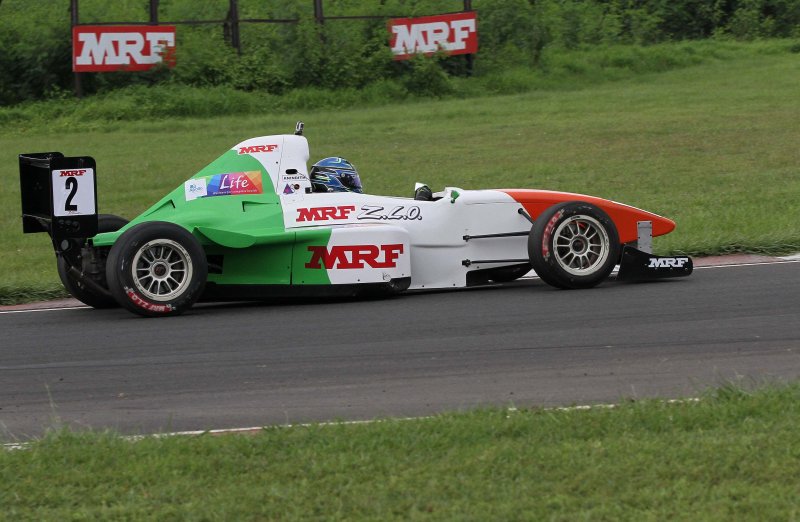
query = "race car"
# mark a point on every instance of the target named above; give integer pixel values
(256, 223)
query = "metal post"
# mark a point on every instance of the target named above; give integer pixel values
(153, 12)
(318, 14)
(470, 57)
(73, 20)
(232, 26)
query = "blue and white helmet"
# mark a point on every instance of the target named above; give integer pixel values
(335, 175)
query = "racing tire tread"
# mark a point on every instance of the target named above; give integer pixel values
(541, 235)
(120, 276)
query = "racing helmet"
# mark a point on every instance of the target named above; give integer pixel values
(334, 175)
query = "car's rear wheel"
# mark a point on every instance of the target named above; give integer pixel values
(157, 269)
(573, 245)
(78, 288)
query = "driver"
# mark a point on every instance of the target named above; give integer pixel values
(334, 175)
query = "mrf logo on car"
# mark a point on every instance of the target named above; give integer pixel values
(454, 33)
(324, 213)
(97, 48)
(354, 256)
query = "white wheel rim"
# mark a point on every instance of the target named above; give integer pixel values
(581, 245)
(162, 269)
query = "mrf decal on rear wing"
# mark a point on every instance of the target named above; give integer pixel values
(59, 195)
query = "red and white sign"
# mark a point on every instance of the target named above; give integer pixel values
(100, 48)
(455, 33)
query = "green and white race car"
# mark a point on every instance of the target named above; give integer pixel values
(251, 225)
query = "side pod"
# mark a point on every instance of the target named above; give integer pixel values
(636, 265)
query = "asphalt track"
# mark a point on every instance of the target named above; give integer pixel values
(523, 344)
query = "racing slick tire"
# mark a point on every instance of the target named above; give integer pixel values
(573, 245)
(157, 269)
(73, 285)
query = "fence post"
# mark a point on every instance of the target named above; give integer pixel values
(319, 16)
(73, 21)
(231, 27)
(470, 57)
(153, 12)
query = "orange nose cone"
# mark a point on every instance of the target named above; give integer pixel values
(625, 217)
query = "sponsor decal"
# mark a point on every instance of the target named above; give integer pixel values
(97, 48)
(548, 233)
(67, 173)
(454, 33)
(668, 262)
(147, 305)
(288, 189)
(376, 212)
(354, 256)
(195, 188)
(367, 213)
(252, 149)
(228, 184)
(324, 213)
(235, 183)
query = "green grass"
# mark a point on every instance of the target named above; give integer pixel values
(712, 146)
(732, 456)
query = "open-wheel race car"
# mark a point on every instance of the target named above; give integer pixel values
(256, 223)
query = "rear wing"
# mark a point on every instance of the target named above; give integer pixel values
(59, 195)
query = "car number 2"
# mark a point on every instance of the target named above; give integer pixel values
(70, 184)
(73, 192)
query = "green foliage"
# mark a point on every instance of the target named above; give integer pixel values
(351, 54)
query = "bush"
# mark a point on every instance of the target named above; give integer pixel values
(353, 54)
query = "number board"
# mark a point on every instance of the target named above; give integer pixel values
(74, 197)
(73, 192)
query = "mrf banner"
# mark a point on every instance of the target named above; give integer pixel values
(454, 33)
(101, 48)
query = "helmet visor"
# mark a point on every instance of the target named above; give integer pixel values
(351, 180)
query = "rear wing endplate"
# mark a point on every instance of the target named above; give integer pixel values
(59, 195)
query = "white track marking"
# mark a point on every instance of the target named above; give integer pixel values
(783, 261)
(256, 429)
(44, 309)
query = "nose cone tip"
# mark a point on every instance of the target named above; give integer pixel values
(662, 225)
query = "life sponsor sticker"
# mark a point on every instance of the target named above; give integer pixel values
(227, 184)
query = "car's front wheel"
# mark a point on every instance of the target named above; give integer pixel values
(573, 245)
(157, 269)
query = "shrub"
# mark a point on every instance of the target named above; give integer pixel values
(353, 54)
